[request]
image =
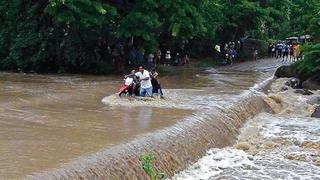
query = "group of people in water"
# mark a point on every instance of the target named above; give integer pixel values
(147, 82)
(288, 51)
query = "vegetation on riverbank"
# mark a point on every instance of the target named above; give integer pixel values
(308, 20)
(78, 36)
(310, 65)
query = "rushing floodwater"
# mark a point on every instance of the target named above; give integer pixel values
(284, 145)
(48, 121)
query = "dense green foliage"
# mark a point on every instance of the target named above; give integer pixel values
(307, 21)
(77, 35)
(311, 62)
(303, 19)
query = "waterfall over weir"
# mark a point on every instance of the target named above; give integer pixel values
(174, 147)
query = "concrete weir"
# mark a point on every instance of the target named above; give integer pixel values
(173, 147)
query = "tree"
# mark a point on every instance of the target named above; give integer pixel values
(310, 23)
(75, 35)
(142, 24)
(80, 27)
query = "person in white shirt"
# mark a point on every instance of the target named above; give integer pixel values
(167, 58)
(145, 82)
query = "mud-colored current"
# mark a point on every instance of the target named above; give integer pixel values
(49, 121)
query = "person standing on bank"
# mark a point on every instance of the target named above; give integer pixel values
(145, 82)
(158, 57)
(255, 54)
(273, 51)
(150, 61)
(167, 58)
(285, 52)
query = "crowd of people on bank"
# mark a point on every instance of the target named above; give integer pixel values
(136, 57)
(168, 59)
(288, 51)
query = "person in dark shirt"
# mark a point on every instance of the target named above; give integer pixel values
(156, 88)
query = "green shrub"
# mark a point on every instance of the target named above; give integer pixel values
(310, 65)
(146, 162)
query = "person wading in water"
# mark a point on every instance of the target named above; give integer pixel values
(156, 88)
(145, 82)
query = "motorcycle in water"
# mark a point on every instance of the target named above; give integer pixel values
(130, 88)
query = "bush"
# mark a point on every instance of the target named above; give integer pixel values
(146, 163)
(310, 65)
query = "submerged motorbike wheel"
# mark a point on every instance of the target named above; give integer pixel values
(123, 93)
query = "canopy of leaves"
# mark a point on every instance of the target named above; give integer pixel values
(305, 19)
(77, 35)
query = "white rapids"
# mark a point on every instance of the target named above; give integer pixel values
(284, 144)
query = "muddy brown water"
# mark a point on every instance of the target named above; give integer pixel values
(50, 121)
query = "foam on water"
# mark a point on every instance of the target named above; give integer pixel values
(214, 163)
(279, 148)
(270, 146)
(300, 129)
(193, 99)
(230, 163)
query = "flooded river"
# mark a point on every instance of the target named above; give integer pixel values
(57, 127)
(48, 120)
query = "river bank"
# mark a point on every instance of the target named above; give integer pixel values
(280, 144)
